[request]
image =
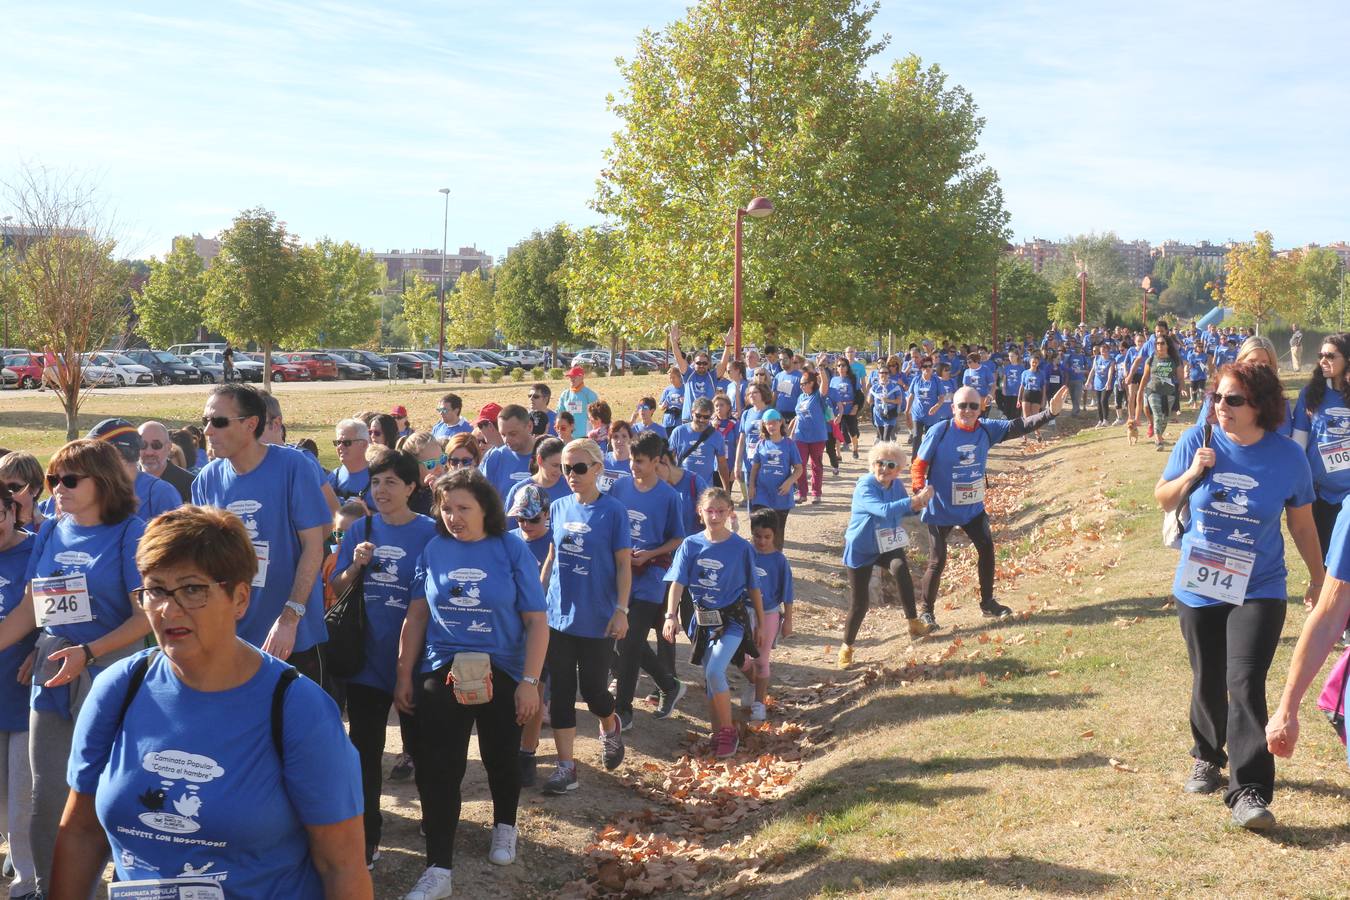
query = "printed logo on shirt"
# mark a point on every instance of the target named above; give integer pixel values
(710, 568)
(1241, 537)
(1233, 498)
(965, 455)
(385, 570)
(479, 627)
(1338, 420)
(74, 558)
(635, 520)
(176, 814)
(245, 510)
(760, 572)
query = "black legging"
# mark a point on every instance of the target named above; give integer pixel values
(574, 660)
(442, 754)
(977, 529)
(916, 438)
(1324, 516)
(635, 653)
(831, 448)
(860, 579)
(848, 424)
(367, 715)
(1103, 406)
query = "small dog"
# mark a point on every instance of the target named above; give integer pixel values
(1133, 427)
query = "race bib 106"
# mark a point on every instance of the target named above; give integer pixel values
(1335, 455)
(1217, 572)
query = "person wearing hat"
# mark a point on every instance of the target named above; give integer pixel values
(577, 398)
(546, 475)
(450, 424)
(529, 508)
(153, 495)
(400, 414)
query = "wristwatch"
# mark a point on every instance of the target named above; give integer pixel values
(297, 608)
(88, 655)
(529, 679)
(622, 609)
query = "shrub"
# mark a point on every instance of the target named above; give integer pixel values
(600, 371)
(476, 375)
(555, 374)
(495, 375)
(517, 374)
(639, 370)
(539, 373)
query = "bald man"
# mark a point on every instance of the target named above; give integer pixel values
(155, 449)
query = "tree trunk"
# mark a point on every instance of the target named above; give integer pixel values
(623, 353)
(553, 355)
(613, 344)
(267, 366)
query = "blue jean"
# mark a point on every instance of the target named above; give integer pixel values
(717, 658)
(1076, 395)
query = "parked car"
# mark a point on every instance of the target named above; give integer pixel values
(167, 368)
(27, 367)
(352, 371)
(474, 358)
(378, 365)
(456, 363)
(210, 372)
(126, 370)
(9, 378)
(285, 370)
(321, 366)
(189, 349)
(592, 359)
(247, 369)
(412, 365)
(494, 356)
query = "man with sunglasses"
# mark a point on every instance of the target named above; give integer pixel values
(699, 446)
(451, 423)
(953, 459)
(351, 479)
(509, 463)
(276, 491)
(540, 414)
(700, 381)
(155, 460)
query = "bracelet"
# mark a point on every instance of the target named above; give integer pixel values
(622, 609)
(88, 655)
(674, 617)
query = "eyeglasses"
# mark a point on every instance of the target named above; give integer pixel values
(336, 535)
(219, 422)
(967, 406)
(155, 445)
(16, 487)
(347, 442)
(1327, 355)
(888, 464)
(459, 462)
(442, 409)
(1234, 400)
(536, 396)
(577, 468)
(537, 520)
(68, 481)
(187, 596)
(431, 464)
(702, 417)
(700, 362)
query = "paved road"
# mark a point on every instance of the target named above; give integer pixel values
(283, 387)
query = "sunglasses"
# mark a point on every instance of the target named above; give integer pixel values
(347, 442)
(155, 445)
(188, 596)
(459, 462)
(888, 464)
(67, 481)
(701, 417)
(1327, 355)
(967, 406)
(1230, 399)
(431, 464)
(536, 396)
(219, 422)
(15, 487)
(336, 535)
(578, 468)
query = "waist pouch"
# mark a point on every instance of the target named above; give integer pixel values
(702, 635)
(471, 677)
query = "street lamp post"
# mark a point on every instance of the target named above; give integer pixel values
(1147, 285)
(757, 208)
(445, 230)
(1082, 298)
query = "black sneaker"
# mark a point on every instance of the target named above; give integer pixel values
(527, 769)
(611, 747)
(667, 701)
(563, 779)
(403, 768)
(1205, 778)
(625, 720)
(1250, 810)
(995, 610)
(928, 619)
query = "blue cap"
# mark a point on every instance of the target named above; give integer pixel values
(528, 503)
(771, 415)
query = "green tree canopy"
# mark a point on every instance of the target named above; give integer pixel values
(529, 290)
(470, 319)
(421, 312)
(350, 281)
(1260, 286)
(1320, 275)
(169, 307)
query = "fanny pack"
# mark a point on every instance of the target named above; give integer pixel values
(471, 678)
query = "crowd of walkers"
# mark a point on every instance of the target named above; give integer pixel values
(169, 594)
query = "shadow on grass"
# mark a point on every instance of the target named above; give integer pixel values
(1099, 612)
(892, 709)
(1013, 872)
(1309, 837)
(1318, 787)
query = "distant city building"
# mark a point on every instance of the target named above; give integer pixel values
(1340, 248)
(207, 248)
(399, 264)
(1137, 257)
(1038, 252)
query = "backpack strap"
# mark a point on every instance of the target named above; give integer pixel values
(137, 679)
(288, 675)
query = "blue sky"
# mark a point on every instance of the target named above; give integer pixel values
(1183, 119)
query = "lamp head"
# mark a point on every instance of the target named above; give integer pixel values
(758, 208)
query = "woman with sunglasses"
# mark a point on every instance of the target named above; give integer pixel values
(545, 473)
(1161, 381)
(924, 392)
(875, 536)
(1237, 478)
(844, 394)
(1256, 349)
(21, 473)
(476, 591)
(431, 461)
(1322, 428)
(205, 754)
(381, 549)
(80, 577)
(887, 399)
(589, 576)
(16, 786)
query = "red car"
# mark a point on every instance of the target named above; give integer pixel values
(285, 370)
(321, 367)
(28, 366)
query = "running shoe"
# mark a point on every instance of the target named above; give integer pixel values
(930, 620)
(625, 720)
(666, 702)
(503, 851)
(758, 712)
(372, 856)
(845, 656)
(563, 779)
(855, 452)
(611, 747)
(918, 628)
(995, 610)
(1250, 810)
(403, 769)
(836, 471)
(1205, 778)
(815, 500)
(726, 742)
(433, 885)
(528, 766)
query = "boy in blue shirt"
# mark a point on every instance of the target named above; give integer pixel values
(775, 585)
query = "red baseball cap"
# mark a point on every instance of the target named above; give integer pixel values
(489, 412)
(400, 412)
(576, 371)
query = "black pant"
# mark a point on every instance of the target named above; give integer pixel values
(859, 580)
(576, 660)
(977, 529)
(1324, 515)
(848, 424)
(916, 437)
(831, 448)
(635, 653)
(1103, 405)
(1230, 648)
(442, 753)
(1008, 405)
(367, 715)
(309, 663)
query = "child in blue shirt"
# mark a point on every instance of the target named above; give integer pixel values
(775, 585)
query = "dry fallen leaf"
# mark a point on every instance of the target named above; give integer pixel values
(1121, 767)
(1087, 734)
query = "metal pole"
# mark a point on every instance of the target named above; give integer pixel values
(736, 292)
(994, 297)
(445, 230)
(1082, 303)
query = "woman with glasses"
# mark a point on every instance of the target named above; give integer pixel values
(545, 473)
(16, 776)
(1238, 478)
(1260, 350)
(1322, 428)
(1161, 380)
(207, 755)
(887, 399)
(431, 462)
(875, 536)
(589, 577)
(21, 473)
(380, 549)
(383, 430)
(844, 394)
(79, 577)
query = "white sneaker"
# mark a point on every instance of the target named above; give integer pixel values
(747, 695)
(503, 851)
(433, 885)
(757, 712)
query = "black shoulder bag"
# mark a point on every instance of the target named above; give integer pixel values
(345, 652)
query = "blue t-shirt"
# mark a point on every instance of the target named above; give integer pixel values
(615, 469)
(191, 782)
(776, 459)
(923, 394)
(1237, 508)
(956, 466)
(14, 697)
(874, 507)
(750, 430)
(654, 517)
(841, 394)
(978, 379)
(556, 491)
(809, 426)
(504, 468)
(775, 579)
(443, 432)
(689, 488)
(1195, 366)
(106, 556)
(1102, 367)
(1012, 378)
(717, 574)
(887, 401)
(388, 583)
(946, 390)
(702, 460)
(1033, 380)
(1077, 364)
(1132, 354)
(277, 500)
(696, 387)
(539, 546)
(155, 496)
(786, 387)
(577, 402)
(655, 428)
(672, 398)
(351, 485)
(476, 592)
(582, 592)
(1327, 431)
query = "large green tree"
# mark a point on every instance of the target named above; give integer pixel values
(169, 307)
(528, 289)
(1110, 288)
(883, 207)
(262, 287)
(420, 314)
(350, 281)
(1260, 286)
(470, 319)
(1320, 274)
